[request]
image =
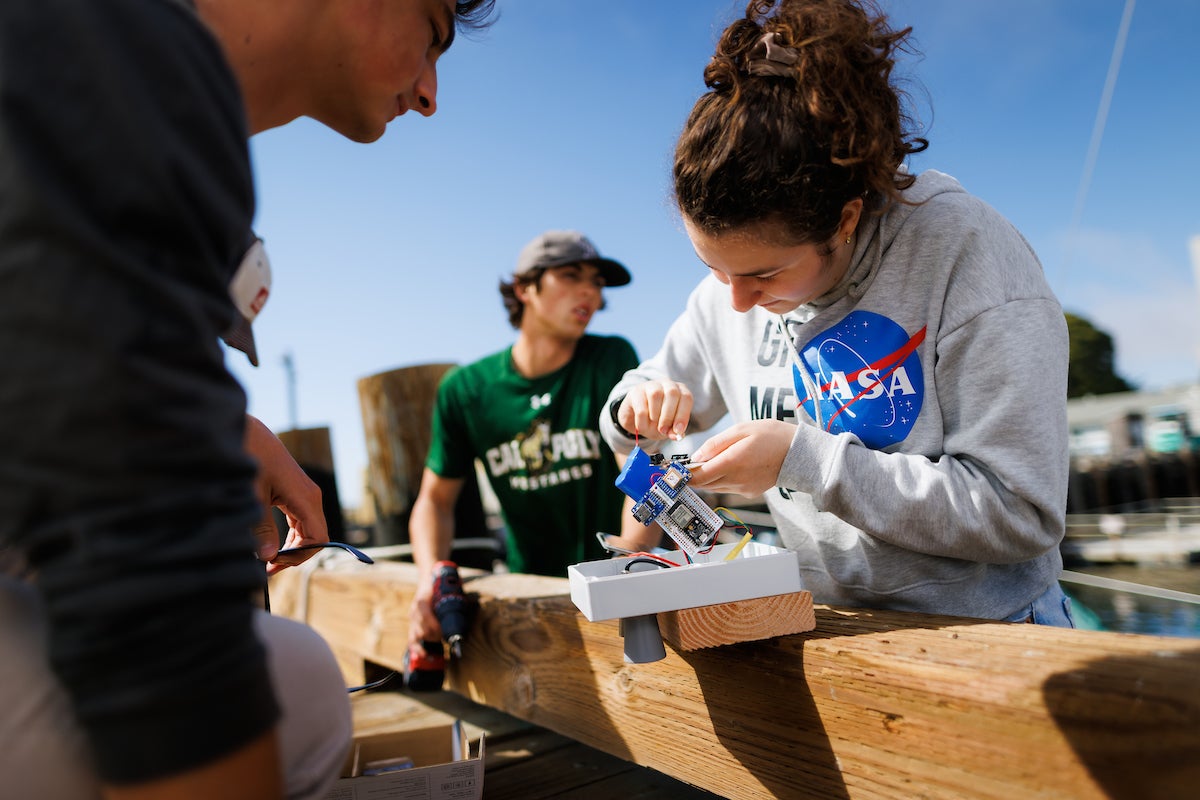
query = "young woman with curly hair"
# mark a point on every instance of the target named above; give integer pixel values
(888, 350)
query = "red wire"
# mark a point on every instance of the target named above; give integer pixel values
(654, 557)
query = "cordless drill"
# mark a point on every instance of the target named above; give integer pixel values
(425, 671)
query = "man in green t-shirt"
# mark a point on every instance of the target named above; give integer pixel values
(530, 414)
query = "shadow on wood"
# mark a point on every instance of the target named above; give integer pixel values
(1135, 740)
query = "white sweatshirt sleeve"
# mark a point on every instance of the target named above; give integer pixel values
(686, 356)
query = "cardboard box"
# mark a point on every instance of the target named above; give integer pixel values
(603, 590)
(429, 763)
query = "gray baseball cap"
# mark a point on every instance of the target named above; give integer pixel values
(559, 248)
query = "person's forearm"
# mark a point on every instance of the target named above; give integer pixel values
(431, 531)
(282, 483)
(281, 480)
(250, 773)
(642, 537)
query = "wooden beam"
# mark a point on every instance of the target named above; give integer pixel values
(868, 704)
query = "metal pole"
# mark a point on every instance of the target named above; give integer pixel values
(1112, 584)
(1194, 246)
(289, 366)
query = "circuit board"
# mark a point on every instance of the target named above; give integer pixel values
(659, 488)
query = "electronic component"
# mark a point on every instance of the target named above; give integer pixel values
(658, 486)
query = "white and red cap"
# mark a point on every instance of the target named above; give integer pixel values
(249, 289)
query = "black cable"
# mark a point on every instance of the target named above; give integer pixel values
(644, 560)
(373, 684)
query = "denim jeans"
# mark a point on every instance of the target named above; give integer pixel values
(1053, 607)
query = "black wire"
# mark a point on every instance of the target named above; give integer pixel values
(643, 560)
(373, 684)
(361, 557)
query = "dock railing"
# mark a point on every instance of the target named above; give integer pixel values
(1168, 534)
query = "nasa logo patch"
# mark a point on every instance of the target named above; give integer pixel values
(867, 378)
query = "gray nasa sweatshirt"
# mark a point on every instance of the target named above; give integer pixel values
(928, 471)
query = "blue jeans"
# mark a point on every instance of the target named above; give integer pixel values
(1053, 607)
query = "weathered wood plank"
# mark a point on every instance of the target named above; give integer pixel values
(866, 705)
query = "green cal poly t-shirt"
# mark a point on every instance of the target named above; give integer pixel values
(540, 447)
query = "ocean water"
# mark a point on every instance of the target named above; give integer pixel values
(1127, 612)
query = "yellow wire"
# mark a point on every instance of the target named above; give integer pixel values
(738, 547)
(745, 539)
(734, 516)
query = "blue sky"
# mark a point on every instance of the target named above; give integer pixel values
(564, 115)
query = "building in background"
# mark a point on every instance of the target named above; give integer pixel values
(1115, 426)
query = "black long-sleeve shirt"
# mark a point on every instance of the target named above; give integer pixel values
(126, 199)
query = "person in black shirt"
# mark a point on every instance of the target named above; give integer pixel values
(134, 662)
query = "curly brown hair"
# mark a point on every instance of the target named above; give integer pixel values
(791, 150)
(508, 294)
(473, 15)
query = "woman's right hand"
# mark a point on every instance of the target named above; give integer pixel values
(657, 410)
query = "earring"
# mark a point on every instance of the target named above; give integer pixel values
(847, 240)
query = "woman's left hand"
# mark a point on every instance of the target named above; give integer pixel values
(744, 459)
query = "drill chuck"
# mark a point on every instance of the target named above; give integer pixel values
(455, 643)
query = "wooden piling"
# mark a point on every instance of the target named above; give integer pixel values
(313, 450)
(397, 412)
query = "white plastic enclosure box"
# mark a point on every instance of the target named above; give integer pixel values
(603, 590)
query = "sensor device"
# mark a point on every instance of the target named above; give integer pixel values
(658, 486)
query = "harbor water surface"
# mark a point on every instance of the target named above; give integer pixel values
(1125, 612)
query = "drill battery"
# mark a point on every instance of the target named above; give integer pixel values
(424, 666)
